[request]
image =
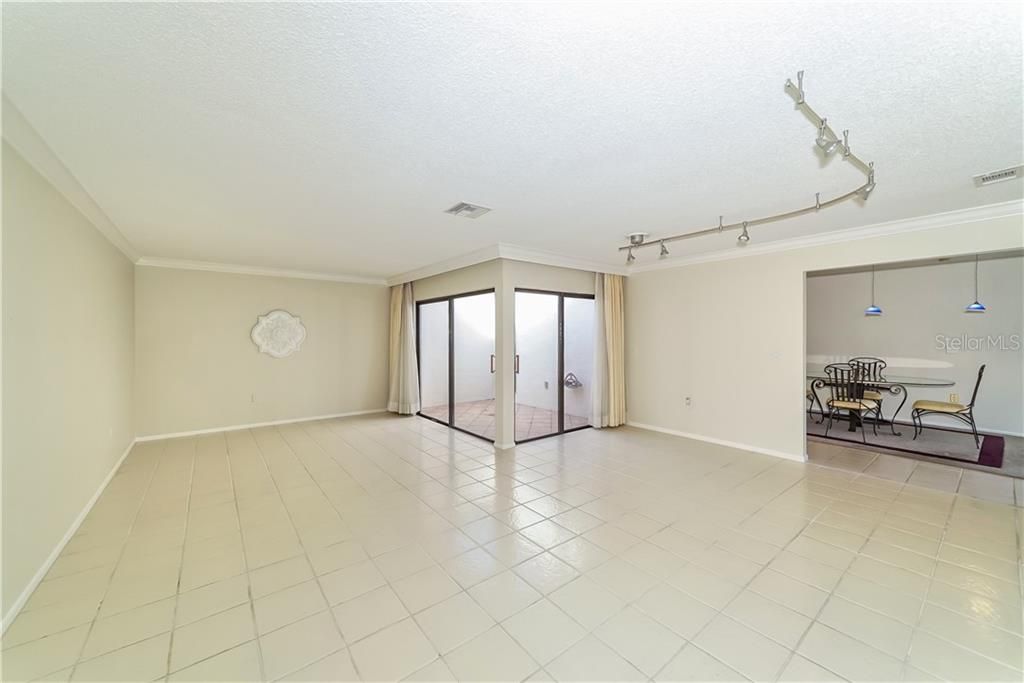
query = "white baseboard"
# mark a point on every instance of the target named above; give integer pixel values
(235, 428)
(45, 568)
(504, 446)
(798, 457)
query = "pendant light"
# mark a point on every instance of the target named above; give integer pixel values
(977, 306)
(872, 309)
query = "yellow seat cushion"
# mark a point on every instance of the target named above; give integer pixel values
(873, 395)
(939, 406)
(866, 404)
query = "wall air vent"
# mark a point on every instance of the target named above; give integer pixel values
(467, 210)
(1011, 173)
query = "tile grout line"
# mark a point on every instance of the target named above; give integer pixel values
(924, 599)
(746, 586)
(181, 559)
(302, 545)
(113, 571)
(245, 558)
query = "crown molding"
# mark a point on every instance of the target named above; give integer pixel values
(463, 261)
(511, 252)
(974, 214)
(23, 137)
(235, 269)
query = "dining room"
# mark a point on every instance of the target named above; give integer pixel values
(920, 361)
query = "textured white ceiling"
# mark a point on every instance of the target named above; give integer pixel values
(330, 137)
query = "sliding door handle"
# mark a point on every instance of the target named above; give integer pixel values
(517, 363)
(492, 363)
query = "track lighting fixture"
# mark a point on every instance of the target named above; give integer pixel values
(827, 140)
(744, 237)
(824, 140)
(976, 306)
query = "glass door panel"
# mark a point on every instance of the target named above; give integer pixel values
(433, 332)
(537, 365)
(473, 331)
(578, 365)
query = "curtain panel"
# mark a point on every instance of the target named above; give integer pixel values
(609, 391)
(403, 373)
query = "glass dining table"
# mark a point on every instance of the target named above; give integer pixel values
(896, 385)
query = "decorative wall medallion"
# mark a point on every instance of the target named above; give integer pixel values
(278, 333)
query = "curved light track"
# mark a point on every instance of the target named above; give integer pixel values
(826, 138)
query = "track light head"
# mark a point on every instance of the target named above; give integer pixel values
(629, 257)
(664, 250)
(866, 190)
(826, 143)
(744, 237)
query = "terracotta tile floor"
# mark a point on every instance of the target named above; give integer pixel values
(531, 422)
(380, 548)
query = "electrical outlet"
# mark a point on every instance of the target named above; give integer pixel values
(545, 385)
(954, 398)
(252, 398)
(687, 401)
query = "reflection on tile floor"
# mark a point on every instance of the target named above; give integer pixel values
(531, 422)
(378, 548)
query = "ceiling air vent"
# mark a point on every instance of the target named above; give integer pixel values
(1011, 173)
(467, 210)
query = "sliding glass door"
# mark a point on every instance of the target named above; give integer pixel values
(554, 362)
(455, 337)
(432, 330)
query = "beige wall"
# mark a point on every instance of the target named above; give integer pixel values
(536, 276)
(196, 367)
(732, 331)
(485, 275)
(67, 367)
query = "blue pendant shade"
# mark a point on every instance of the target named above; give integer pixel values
(873, 309)
(977, 306)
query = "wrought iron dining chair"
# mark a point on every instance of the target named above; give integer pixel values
(846, 386)
(812, 400)
(964, 413)
(873, 370)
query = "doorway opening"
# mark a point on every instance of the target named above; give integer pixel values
(455, 347)
(554, 362)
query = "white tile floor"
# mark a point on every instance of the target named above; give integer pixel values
(385, 548)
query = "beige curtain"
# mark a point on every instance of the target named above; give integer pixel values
(615, 343)
(609, 386)
(404, 383)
